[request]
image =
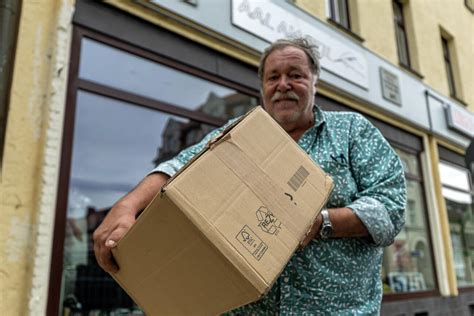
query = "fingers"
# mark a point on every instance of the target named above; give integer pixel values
(103, 254)
(110, 243)
(106, 238)
(104, 257)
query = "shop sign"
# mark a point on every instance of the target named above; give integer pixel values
(460, 120)
(270, 22)
(390, 86)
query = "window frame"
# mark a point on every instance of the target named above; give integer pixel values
(456, 160)
(411, 144)
(76, 84)
(448, 64)
(400, 31)
(427, 293)
(335, 10)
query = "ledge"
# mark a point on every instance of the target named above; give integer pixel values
(347, 31)
(411, 70)
(455, 97)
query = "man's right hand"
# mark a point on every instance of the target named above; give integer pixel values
(121, 217)
(110, 231)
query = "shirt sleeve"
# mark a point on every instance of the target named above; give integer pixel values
(379, 174)
(170, 167)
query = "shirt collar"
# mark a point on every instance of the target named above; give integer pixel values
(307, 140)
(319, 117)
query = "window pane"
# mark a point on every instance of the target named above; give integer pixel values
(400, 34)
(343, 13)
(462, 239)
(461, 222)
(408, 262)
(455, 177)
(402, 47)
(409, 161)
(150, 79)
(459, 205)
(115, 145)
(340, 12)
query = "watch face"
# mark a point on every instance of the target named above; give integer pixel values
(326, 231)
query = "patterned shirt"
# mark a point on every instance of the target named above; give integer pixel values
(339, 276)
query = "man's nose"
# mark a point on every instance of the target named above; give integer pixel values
(284, 84)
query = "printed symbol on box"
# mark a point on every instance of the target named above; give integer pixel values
(268, 222)
(290, 197)
(255, 246)
(297, 180)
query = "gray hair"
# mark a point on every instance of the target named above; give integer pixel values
(303, 43)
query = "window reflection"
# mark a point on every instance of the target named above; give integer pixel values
(458, 198)
(410, 162)
(408, 263)
(453, 176)
(115, 145)
(150, 79)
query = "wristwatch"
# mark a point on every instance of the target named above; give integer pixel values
(326, 227)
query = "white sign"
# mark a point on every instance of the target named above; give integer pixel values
(271, 22)
(406, 281)
(460, 119)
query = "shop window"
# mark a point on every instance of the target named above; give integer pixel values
(127, 119)
(458, 196)
(143, 77)
(401, 33)
(339, 13)
(408, 263)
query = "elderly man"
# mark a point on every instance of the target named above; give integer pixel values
(337, 269)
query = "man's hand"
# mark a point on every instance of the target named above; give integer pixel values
(111, 230)
(121, 217)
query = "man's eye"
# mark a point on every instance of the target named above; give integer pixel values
(296, 76)
(272, 78)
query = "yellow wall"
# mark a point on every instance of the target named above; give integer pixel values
(454, 17)
(315, 8)
(25, 145)
(424, 19)
(376, 28)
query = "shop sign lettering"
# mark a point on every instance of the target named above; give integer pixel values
(271, 22)
(460, 120)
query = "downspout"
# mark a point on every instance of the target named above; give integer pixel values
(9, 18)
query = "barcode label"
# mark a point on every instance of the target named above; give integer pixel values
(298, 178)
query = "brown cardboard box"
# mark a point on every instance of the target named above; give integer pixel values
(223, 228)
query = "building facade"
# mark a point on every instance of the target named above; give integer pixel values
(98, 93)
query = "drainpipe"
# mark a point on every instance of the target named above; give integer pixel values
(9, 18)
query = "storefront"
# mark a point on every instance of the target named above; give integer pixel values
(141, 88)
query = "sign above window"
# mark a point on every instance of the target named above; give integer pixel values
(390, 86)
(460, 119)
(271, 22)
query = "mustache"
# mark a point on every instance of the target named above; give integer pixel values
(290, 95)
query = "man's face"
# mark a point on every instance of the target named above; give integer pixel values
(288, 86)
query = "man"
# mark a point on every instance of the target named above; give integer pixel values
(337, 269)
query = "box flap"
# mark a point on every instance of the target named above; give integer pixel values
(210, 143)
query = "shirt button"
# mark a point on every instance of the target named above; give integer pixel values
(286, 279)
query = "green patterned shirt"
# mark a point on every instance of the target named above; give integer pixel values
(340, 276)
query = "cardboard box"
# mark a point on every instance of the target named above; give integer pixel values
(223, 228)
